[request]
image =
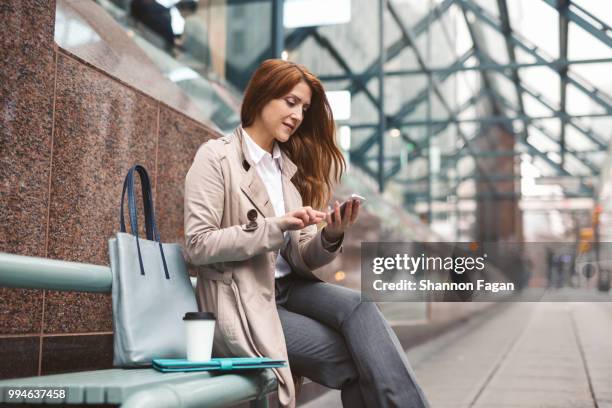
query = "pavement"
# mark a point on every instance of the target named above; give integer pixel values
(527, 355)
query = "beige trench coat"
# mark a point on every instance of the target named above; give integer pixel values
(236, 257)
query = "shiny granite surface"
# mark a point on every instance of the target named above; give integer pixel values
(73, 122)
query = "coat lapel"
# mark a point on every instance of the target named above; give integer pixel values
(252, 185)
(255, 190)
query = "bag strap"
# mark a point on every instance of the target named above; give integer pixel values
(128, 186)
(150, 225)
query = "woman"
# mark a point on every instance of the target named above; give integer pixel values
(252, 205)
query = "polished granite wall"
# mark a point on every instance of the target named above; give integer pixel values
(70, 130)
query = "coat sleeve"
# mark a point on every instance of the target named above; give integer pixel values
(206, 242)
(312, 253)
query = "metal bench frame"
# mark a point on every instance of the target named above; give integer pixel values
(131, 388)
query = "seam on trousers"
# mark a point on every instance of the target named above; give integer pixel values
(349, 315)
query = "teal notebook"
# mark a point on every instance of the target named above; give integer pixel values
(223, 364)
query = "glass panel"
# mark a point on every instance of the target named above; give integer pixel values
(490, 6)
(405, 59)
(305, 13)
(492, 43)
(362, 109)
(392, 31)
(523, 57)
(601, 9)
(466, 166)
(534, 107)
(359, 136)
(518, 126)
(411, 12)
(544, 167)
(575, 166)
(582, 45)
(401, 90)
(598, 75)
(552, 127)
(597, 158)
(579, 103)
(468, 84)
(469, 113)
(436, 44)
(357, 47)
(417, 168)
(468, 130)
(317, 59)
(463, 39)
(504, 87)
(336, 85)
(437, 110)
(439, 106)
(600, 126)
(537, 22)
(577, 140)
(446, 140)
(543, 81)
(538, 140)
(415, 133)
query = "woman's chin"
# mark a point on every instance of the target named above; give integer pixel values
(283, 137)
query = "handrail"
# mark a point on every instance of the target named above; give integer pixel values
(20, 271)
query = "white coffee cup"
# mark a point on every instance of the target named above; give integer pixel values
(199, 332)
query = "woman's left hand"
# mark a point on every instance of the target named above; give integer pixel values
(335, 229)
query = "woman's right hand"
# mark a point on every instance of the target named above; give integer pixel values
(301, 218)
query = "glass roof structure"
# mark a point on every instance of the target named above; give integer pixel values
(458, 72)
(443, 103)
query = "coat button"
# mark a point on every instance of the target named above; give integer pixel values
(252, 216)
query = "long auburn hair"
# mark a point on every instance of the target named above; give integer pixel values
(312, 147)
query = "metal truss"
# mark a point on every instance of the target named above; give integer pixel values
(389, 166)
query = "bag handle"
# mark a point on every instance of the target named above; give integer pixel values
(150, 225)
(128, 185)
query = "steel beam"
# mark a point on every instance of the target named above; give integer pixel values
(486, 119)
(591, 91)
(451, 69)
(278, 29)
(584, 19)
(563, 38)
(569, 119)
(382, 125)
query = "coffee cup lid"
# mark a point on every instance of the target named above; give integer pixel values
(199, 316)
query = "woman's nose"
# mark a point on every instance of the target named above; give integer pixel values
(297, 115)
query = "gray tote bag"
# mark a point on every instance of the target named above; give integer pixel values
(151, 289)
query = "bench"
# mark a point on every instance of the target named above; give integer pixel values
(132, 387)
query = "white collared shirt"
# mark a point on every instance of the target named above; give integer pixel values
(269, 166)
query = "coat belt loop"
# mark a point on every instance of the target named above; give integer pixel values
(227, 277)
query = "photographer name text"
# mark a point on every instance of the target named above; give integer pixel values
(428, 285)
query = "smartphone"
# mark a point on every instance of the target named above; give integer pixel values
(353, 197)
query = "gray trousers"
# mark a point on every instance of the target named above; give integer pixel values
(340, 342)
